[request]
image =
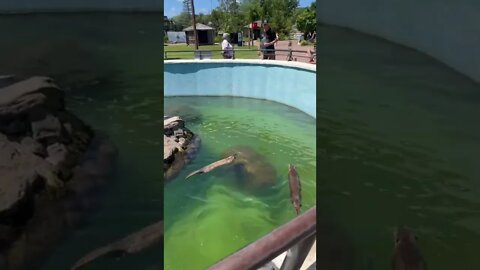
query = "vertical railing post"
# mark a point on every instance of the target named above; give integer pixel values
(296, 255)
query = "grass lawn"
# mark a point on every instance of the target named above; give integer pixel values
(216, 54)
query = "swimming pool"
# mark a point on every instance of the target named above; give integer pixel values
(262, 108)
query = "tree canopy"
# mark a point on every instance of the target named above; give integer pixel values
(307, 19)
(232, 15)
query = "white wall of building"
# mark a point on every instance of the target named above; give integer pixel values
(444, 29)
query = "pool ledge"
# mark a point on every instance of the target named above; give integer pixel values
(291, 64)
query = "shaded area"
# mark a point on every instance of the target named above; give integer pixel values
(42, 190)
(399, 145)
(124, 104)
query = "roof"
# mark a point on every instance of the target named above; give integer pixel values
(259, 23)
(199, 27)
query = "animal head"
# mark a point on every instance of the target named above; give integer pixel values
(291, 168)
(404, 235)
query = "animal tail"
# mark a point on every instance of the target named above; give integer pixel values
(194, 173)
(103, 251)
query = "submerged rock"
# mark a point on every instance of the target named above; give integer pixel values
(39, 170)
(254, 172)
(179, 146)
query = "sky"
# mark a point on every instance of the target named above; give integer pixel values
(174, 7)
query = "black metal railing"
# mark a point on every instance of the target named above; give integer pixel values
(296, 237)
(291, 55)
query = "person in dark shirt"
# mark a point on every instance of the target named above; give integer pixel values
(270, 39)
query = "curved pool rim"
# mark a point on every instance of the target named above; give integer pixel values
(289, 83)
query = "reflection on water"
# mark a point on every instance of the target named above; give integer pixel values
(398, 144)
(110, 64)
(212, 215)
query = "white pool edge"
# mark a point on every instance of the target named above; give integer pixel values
(291, 64)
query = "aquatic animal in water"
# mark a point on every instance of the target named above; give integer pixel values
(214, 165)
(253, 171)
(295, 188)
(406, 255)
(133, 243)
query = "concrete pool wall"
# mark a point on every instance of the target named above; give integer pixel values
(289, 83)
(444, 29)
(22, 6)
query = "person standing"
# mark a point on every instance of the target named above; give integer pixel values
(270, 39)
(227, 47)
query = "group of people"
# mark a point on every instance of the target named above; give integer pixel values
(267, 44)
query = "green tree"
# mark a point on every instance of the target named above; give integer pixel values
(280, 15)
(251, 10)
(307, 19)
(216, 17)
(232, 20)
(203, 18)
(182, 21)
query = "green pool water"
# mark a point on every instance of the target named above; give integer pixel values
(124, 50)
(207, 217)
(399, 143)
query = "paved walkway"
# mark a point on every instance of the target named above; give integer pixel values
(300, 57)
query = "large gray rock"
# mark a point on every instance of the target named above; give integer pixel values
(22, 174)
(179, 146)
(30, 98)
(47, 129)
(41, 146)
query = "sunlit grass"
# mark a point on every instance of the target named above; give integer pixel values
(174, 51)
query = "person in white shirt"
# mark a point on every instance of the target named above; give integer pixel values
(227, 47)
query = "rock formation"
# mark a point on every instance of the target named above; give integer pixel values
(42, 164)
(179, 146)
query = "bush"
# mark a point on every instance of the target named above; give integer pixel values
(165, 39)
(282, 36)
(218, 39)
(304, 43)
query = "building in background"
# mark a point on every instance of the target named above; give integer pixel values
(205, 34)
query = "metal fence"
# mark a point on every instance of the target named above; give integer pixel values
(296, 237)
(280, 54)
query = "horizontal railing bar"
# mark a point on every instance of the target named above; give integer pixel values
(240, 50)
(265, 249)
